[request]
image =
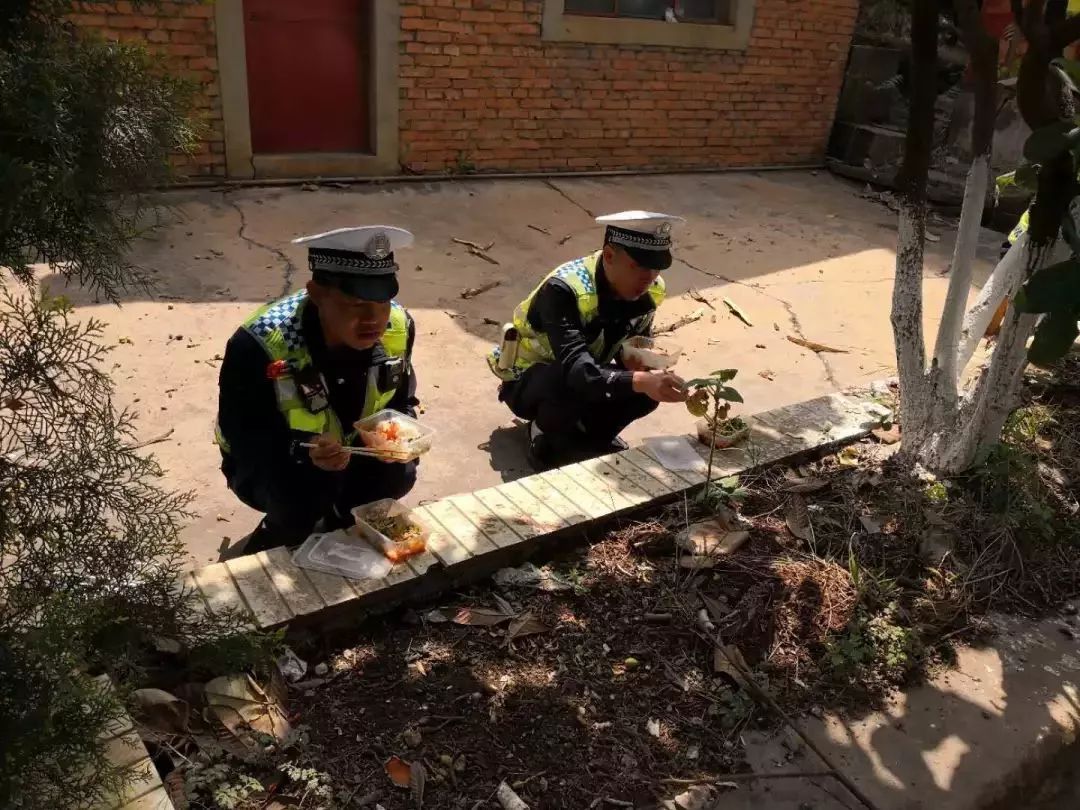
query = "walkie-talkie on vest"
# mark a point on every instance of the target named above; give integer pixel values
(509, 348)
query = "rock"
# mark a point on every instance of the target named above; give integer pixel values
(321, 670)
(412, 737)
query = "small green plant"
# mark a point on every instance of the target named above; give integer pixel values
(875, 648)
(1025, 424)
(219, 779)
(463, 164)
(711, 398)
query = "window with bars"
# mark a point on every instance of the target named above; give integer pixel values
(691, 11)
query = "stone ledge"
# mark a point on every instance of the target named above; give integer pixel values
(474, 534)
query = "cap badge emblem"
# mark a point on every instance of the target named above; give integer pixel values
(664, 228)
(378, 247)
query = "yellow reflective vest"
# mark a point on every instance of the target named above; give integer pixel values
(278, 329)
(534, 347)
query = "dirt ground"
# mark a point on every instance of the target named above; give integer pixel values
(802, 254)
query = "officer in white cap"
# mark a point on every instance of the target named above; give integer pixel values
(567, 375)
(301, 370)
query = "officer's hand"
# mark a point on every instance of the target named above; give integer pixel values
(633, 364)
(328, 454)
(662, 386)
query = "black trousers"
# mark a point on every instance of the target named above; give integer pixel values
(541, 395)
(317, 498)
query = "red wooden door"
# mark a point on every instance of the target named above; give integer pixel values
(308, 72)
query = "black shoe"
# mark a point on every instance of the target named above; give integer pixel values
(541, 453)
(616, 445)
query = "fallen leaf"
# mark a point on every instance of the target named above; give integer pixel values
(472, 292)
(797, 518)
(525, 625)
(738, 313)
(162, 711)
(399, 771)
(767, 375)
(696, 315)
(815, 347)
(701, 299)
(480, 617)
(696, 798)
(848, 457)
(805, 485)
(872, 526)
(240, 704)
(508, 799)
(729, 660)
(717, 609)
(436, 617)
(711, 537)
(417, 780)
(890, 436)
(696, 563)
(653, 727)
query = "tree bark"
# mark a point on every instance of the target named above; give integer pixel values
(983, 50)
(907, 309)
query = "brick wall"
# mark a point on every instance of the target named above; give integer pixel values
(184, 33)
(480, 89)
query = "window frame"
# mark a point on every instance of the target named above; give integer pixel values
(562, 26)
(677, 4)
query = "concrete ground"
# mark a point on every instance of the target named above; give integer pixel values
(997, 732)
(802, 254)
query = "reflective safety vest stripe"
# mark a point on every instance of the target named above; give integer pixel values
(1021, 227)
(534, 347)
(278, 329)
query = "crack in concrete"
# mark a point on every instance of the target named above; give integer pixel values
(796, 326)
(290, 268)
(568, 198)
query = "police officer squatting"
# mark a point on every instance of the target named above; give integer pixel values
(564, 361)
(298, 374)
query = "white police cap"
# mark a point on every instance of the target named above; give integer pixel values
(359, 261)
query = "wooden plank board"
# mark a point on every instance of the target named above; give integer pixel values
(605, 488)
(554, 500)
(463, 530)
(422, 562)
(156, 799)
(258, 591)
(575, 493)
(143, 779)
(691, 477)
(398, 574)
(218, 588)
(290, 582)
(653, 487)
(125, 749)
(621, 476)
(654, 468)
(541, 514)
(522, 524)
(441, 543)
(484, 519)
(332, 589)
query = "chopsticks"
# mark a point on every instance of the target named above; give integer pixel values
(365, 451)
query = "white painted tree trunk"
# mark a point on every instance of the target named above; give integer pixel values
(963, 263)
(945, 431)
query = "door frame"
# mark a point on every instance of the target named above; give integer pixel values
(242, 164)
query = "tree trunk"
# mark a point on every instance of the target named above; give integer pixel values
(907, 309)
